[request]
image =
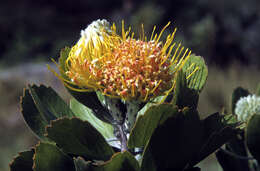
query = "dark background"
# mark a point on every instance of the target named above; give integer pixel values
(222, 31)
(225, 32)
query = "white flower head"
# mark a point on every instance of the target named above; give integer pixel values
(246, 107)
(94, 34)
(96, 30)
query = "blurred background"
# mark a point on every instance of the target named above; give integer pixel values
(225, 33)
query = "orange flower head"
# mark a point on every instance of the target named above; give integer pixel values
(121, 66)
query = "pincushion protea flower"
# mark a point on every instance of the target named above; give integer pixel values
(121, 66)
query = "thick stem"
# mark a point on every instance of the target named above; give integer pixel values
(132, 110)
(123, 138)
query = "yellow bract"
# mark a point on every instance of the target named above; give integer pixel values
(121, 66)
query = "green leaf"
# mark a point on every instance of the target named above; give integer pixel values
(40, 105)
(79, 137)
(89, 99)
(49, 157)
(237, 94)
(183, 95)
(147, 105)
(122, 161)
(217, 132)
(101, 97)
(24, 161)
(213, 123)
(49, 102)
(174, 143)
(149, 160)
(34, 119)
(81, 164)
(198, 79)
(253, 136)
(189, 84)
(231, 119)
(64, 53)
(147, 123)
(86, 114)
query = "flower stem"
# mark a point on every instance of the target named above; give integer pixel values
(123, 138)
(132, 110)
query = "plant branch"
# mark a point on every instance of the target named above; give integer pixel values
(236, 155)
